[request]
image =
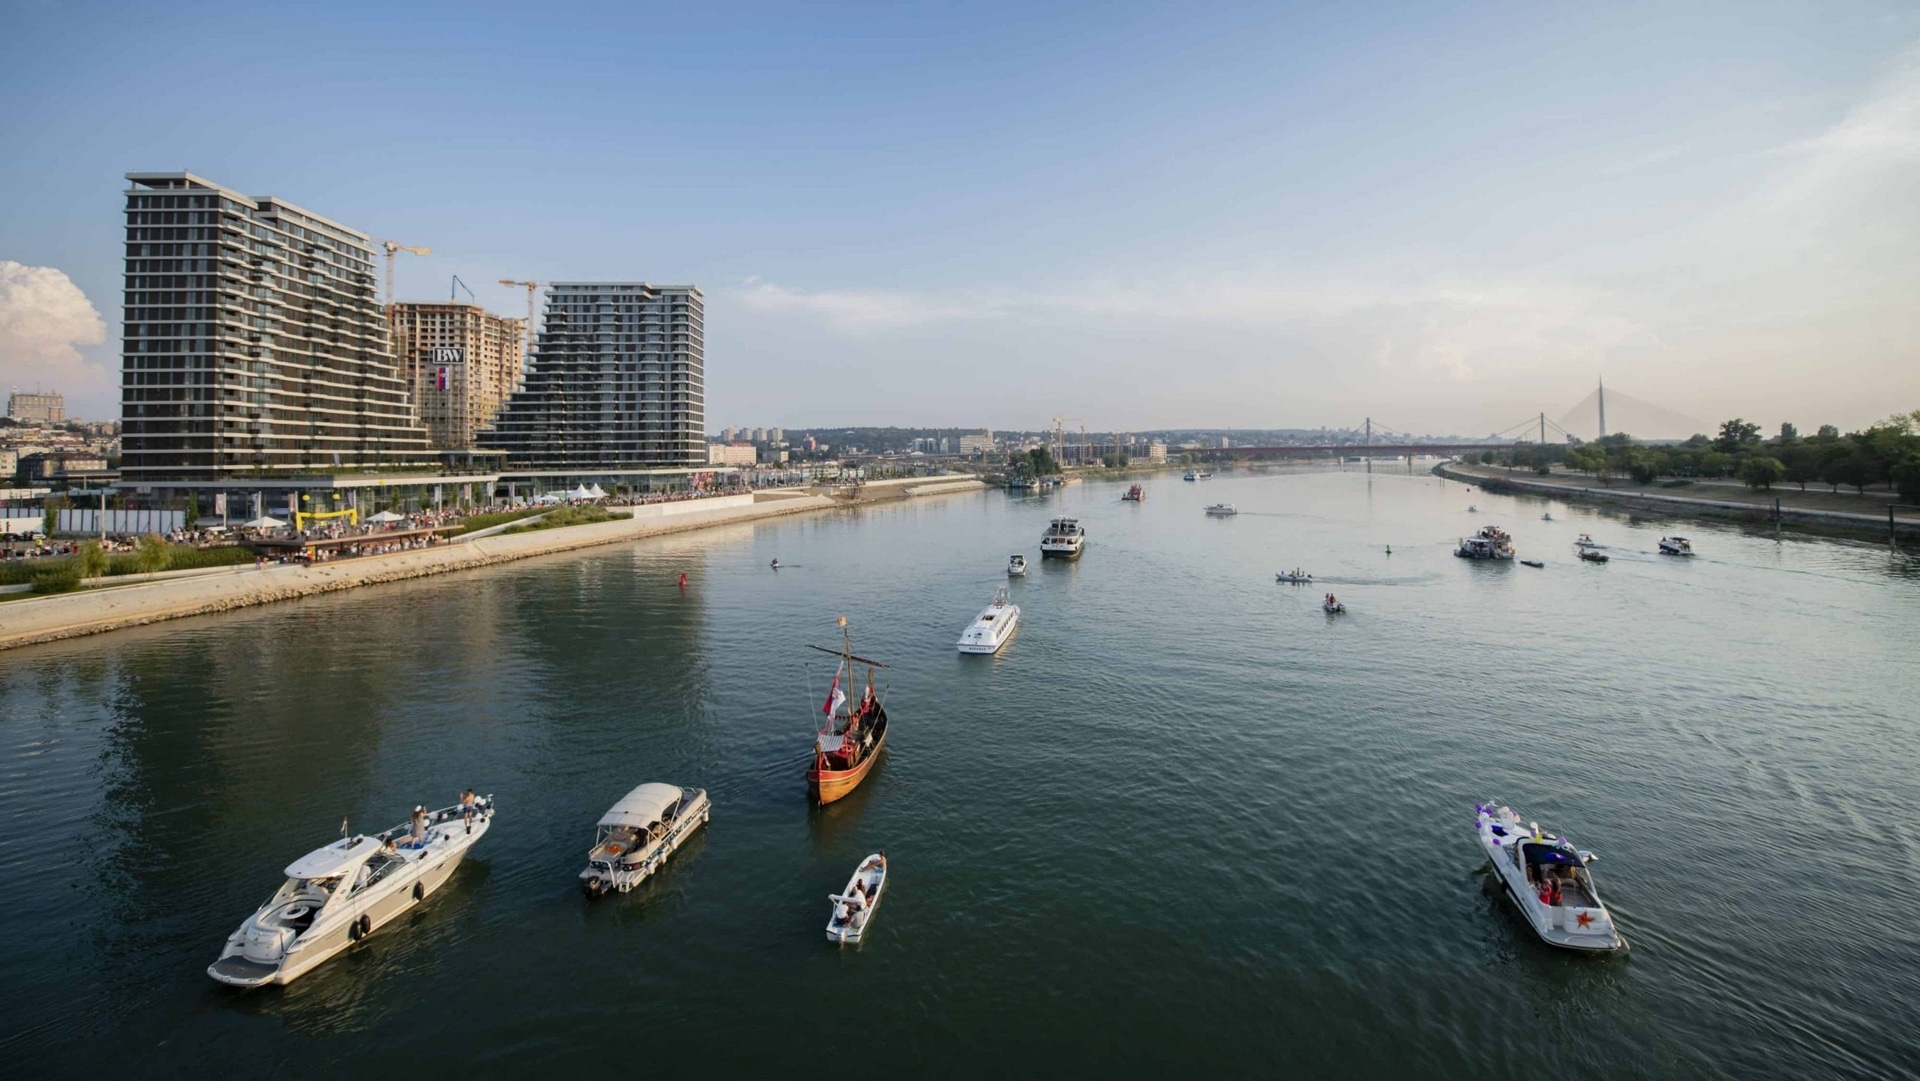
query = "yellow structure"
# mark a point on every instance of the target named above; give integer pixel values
(302, 517)
(462, 363)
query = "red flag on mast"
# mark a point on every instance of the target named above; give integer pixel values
(834, 697)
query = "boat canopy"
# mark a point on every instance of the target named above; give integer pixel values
(337, 858)
(643, 806)
(1538, 852)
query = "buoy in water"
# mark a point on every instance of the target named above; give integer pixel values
(683, 579)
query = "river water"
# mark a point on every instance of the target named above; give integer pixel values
(1183, 820)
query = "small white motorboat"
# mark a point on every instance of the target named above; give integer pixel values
(853, 908)
(1586, 541)
(1293, 576)
(1206, 476)
(992, 627)
(1676, 546)
(1471, 509)
(1546, 517)
(1191, 475)
(637, 835)
(1547, 879)
(337, 895)
(1016, 566)
(1222, 510)
(1332, 605)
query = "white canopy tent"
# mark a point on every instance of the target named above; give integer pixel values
(265, 521)
(387, 516)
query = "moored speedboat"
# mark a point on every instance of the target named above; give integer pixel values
(1016, 566)
(1547, 880)
(992, 627)
(337, 895)
(1676, 546)
(1063, 539)
(854, 907)
(845, 749)
(1222, 510)
(638, 834)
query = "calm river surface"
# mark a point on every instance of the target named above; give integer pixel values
(1184, 820)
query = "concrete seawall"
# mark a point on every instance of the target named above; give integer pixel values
(71, 615)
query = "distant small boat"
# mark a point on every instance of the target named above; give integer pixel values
(1585, 541)
(1135, 494)
(1222, 510)
(1676, 546)
(1471, 509)
(1531, 563)
(1016, 566)
(1191, 475)
(1293, 576)
(1591, 556)
(1332, 605)
(1206, 476)
(775, 564)
(853, 908)
(1546, 517)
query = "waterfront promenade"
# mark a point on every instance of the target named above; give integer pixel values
(1724, 501)
(93, 611)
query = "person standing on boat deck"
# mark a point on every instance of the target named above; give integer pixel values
(419, 833)
(469, 803)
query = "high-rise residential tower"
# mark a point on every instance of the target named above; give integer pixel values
(617, 381)
(461, 362)
(254, 344)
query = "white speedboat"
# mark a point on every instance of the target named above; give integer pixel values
(853, 908)
(1016, 566)
(1222, 510)
(636, 836)
(1191, 475)
(1547, 880)
(1586, 541)
(1063, 539)
(1676, 546)
(1491, 542)
(1293, 576)
(1332, 605)
(337, 895)
(1546, 517)
(992, 627)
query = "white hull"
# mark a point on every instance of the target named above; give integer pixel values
(271, 947)
(992, 628)
(623, 870)
(1581, 921)
(858, 908)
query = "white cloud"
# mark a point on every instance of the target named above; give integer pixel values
(44, 319)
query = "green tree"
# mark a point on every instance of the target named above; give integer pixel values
(1803, 464)
(1788, 433)
(1736, 434)
(1855, 467)
(1716, 464)
(1760, 472)
(1906, 478)
(1827, 431)
(92, 560)
(152, 554)
(1543, 469)
(1040, 460)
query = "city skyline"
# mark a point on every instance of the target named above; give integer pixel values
(1260, 219)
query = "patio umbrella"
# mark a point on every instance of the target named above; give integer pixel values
(263, 522)
(387, 516)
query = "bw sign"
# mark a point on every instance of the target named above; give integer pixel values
(447, 354)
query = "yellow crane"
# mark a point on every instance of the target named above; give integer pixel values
(393, 247)
(533, 290)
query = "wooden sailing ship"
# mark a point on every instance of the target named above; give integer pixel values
(850, 741)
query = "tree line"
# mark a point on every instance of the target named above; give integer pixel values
(1886, 453)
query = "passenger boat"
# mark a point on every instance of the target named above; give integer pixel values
(846, 748)
(992, 627)
(1491, 542)
(337, 895)
(637, 835)
(1676, 546)
(854, 907)
(1295, 575)
(1592, 556)
(1547, 880)
(1135, 494)
(1332, 605)
(1063, 539)
(1017, 566)
(1222, 510)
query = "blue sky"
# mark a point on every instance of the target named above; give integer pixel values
(1132, 215)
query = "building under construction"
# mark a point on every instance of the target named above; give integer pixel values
(462, 363)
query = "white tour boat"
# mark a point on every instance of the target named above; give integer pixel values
(337, 895)
(1063, 539)
(636, 836)
(1676, 546)
(1222, 510)
(1547, 879)
(1491, 542)
(992, 627)
(853, 908)
(1016, 566)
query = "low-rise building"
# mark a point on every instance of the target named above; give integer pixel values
(977, 444)
(731, 454)
(37, 408)
(47, 465)
(1156, 452)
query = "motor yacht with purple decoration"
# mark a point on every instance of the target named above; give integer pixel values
(337, 895)
(1546, 878)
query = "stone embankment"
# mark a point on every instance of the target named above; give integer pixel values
(1757, 509)
(70, 615)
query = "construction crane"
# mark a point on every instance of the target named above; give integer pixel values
(533, 290)
(393, 247)
(453, 295)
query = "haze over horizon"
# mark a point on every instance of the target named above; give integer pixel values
(1228, 216)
